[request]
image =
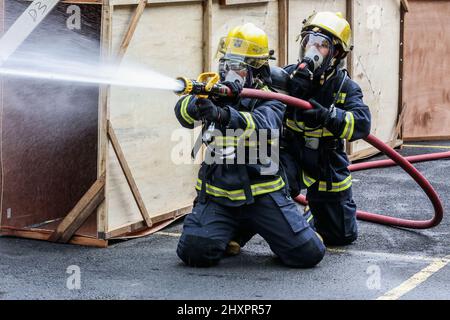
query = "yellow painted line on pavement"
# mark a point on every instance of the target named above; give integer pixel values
(425, 146)
(416, 279)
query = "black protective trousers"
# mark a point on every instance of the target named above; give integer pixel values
(210, 226)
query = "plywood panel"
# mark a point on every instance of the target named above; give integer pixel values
(144, 120)
(426, 90)
(224, 18)
(300, 10)
(376, 63)
(49, 129)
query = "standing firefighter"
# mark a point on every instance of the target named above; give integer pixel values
(241, 194)
(313, 142)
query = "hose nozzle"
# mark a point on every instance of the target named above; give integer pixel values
(206, 85)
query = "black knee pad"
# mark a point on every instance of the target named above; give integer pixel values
(198, 251)
(307, 255)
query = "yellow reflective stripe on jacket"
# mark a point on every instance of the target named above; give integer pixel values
(250, 128)
(184, 112)
(347, 133)
(236, 195)
(341, 97)
(299, 126)
(292, 125)
(335, 186)
(249, 119)
(308, 181)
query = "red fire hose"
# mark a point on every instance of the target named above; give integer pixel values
(397, 159)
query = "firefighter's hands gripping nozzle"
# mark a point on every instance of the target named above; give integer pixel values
(206, 85)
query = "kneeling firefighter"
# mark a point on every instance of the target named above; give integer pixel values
(313, 140)
(237, 199)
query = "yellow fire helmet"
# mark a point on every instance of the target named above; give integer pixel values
(245, 43)
(332, 23)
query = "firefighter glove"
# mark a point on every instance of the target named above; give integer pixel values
(318, 115)
(207, 110)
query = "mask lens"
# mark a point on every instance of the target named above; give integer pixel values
(234, 65)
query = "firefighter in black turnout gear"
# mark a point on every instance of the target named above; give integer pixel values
(312, 148)
(238, 199)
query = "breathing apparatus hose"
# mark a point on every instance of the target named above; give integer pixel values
(396, 159)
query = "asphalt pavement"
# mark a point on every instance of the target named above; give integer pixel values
(384, 263)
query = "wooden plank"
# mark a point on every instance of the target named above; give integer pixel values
(103, 114)
(283, 32)
(349, 4)
(207, 34)
(427, 70)
(349, 16)
(405, 5)
(401, 118)
(2, 29)
(172, 214)
(151, 2)
(78, 1)
(146, 231)
(44, 235)
(79, 214)
(129, 228)
(131, 28)
(235, 2)
(121, 231)
(128, 175)
(401, 105)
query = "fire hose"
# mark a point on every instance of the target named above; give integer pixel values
(199, 87)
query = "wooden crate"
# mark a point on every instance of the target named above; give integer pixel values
(111, 152)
